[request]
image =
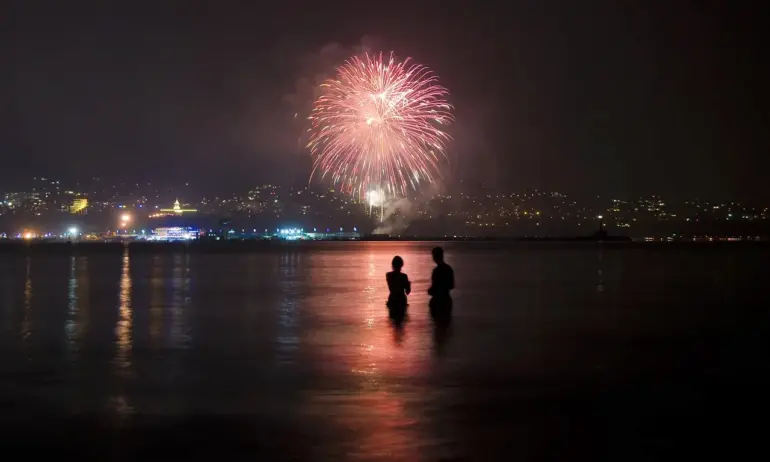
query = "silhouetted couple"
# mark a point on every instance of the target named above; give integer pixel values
(442, 282)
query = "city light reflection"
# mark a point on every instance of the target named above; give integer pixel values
(180, 301)
(157, 295)
(26, 322)
(123, 327)
(76, 324)
(287, 340)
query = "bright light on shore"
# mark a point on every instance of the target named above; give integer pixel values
(73, 231)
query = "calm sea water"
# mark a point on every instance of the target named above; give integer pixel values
(555, 351)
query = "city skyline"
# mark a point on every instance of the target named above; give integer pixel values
(53, 205)
(202, 189)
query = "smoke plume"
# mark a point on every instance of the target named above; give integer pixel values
(398, 214)
(315, 68)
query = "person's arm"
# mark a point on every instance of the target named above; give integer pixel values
(432, 282)
(407, 285)
(451, 279)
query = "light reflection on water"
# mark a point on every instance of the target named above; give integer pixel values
(287, 340)
(26, 327)
(381, 357)
(300, 341)
(78, 305)
(124, 325)
(158, 289)
(180, 301)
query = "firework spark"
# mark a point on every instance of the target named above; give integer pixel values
(377, 126)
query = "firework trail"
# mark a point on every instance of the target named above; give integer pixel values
(377, 126)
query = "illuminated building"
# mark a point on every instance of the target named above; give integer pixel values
(291, 234)
(176, 233)
(294, 234)
(29, 201)
(79, 206)
(177, 209)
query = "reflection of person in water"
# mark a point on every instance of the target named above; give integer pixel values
(442, 282)
(398, 284)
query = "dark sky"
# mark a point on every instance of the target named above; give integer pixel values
(579, 96)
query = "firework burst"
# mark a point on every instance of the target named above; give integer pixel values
(377, 126)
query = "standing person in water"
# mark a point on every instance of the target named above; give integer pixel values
(398, 284)
(442, 282)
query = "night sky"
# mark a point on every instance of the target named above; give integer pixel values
(586, 97)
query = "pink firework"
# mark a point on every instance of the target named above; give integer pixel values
(377, 126)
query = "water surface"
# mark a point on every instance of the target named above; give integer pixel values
(555, 351)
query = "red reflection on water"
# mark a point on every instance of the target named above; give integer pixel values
(358, 347)
(356, 335)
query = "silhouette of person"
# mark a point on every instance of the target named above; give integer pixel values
(398, 284)
(442, 282)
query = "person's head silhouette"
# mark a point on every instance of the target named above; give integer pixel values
(398, 263)
(438, 255)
